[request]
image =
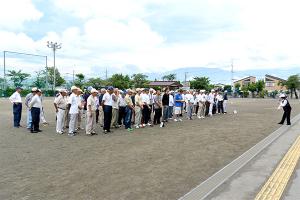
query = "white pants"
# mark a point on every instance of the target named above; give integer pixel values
(78, 121)
(60, 120)
(138, 115)
(225, 105)
(90, 122)
(101, 116)
(210, 108)
(72, 123)
(201, 111)
(42, 116)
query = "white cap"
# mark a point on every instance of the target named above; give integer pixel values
(282, 96)
(74, 88)
(212, 90)
(63, 90)
(34, 89)
(94, 90)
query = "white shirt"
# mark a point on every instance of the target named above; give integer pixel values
(74, 104)
(35, 102)
(210, 98)
(107, 99)
(61, 102)
(91, 101)
(171, 100)
(220, 97)
(115, 104)
(145, 98)
(15, 98)
(189, 98)
(122, 102)
(28, 99)
(282, 104)
(201, 98)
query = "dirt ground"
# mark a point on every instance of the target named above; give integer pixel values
(151, 163)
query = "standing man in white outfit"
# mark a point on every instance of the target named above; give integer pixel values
(28, 98)
(35, 106)
(60, 104)
(16, 100)
(74, 107)
(90, 128)
(211, 97)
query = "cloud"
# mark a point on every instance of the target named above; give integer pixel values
(14, 13)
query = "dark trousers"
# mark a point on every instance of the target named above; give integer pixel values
(17, 111)
(146, 114)
(220, 107)
(287, 116)
(128, 115)
(107, 117)
(207, 104)
(166, 113)
(35, 113)
(157, 115)
(121, 115)
(97, 116)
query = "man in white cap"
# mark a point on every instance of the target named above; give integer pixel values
(115, 108)
(107, 109)
(80, 110)
(74, 107)
(35, 106)
(91, 113)
(285, 105)
(210, 99)
(60, 104)
(28, 98)
(189, 100)
(16, 100)
(201, 99)
(225, 101)
(138, 108)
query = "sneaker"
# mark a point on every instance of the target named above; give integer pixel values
(137, 127)
(143, 125)
(180, 120)
(199, 117)
(89, 134)
(129, 129)
(149, 124)
(60, 132)
(71, 134)
(105, 131)
(175, 120)
(162, 125)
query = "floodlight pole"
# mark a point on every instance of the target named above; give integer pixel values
(54, 47)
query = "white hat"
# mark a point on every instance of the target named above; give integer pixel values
(282, 96)
(79, 90)
(138, 89)
(74, 88)
(63, 90)
(34, 89)
(212, 90)
(94, 90)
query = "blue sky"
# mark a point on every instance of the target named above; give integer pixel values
(132, 36)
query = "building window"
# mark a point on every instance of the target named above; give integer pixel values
(270, 84)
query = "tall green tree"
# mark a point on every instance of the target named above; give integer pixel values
(49, 73)
(200, 83)
(292, 84)
(120, 81)
(169, 77)
(79, 81)
(252, 88)
(260, 86)
(17, 77)
(39, 81)
(139, 80)
(95, 83)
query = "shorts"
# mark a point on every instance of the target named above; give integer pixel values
(177, 110)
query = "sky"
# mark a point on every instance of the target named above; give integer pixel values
(130, 36)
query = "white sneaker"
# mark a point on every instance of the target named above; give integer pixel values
(203, 117)
(199, 117)
(180, 120)
(161, 125)
(137, 127)
(175, 120)
(149, 124)
(143, 125)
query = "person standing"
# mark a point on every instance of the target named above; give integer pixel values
(210, 99)
(225, 101)
(60, 104)
(151, 97)
(157, 107)
(220, 100)
(99, 112)
(27, 101)
(165, 104)
(115, 108)
(285, 105)
(178, 106)
(67, 111)
(202, 100)
(90, 128)
(171, 104)
(35, 106)
(16, 100)
(122, 107)
(138, 108)
(74, 108)
(189, 101)
(146, 107)
(107, 109)
(80, 110)
(128, 110)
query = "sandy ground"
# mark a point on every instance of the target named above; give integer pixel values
(151, 163)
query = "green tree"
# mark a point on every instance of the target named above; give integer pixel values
(49, 73)
(95, 83)
(40, 81)
(169, 77)
(17, 77)
(200, 83)
(252, 88)
(245, 91)
(260, 86)
(120, 81)
(79, 81)
(139, 80)
(227, 88)
(292, 84)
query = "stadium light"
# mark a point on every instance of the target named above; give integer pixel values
(54, 47)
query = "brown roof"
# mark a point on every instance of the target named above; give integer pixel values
(274, 77)
(248, 77)
(165, 83)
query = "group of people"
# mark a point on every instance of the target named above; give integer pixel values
(114, 108)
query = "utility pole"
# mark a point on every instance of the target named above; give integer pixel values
(54, 47)
(73, 76)
(185, 76)
(106, 74)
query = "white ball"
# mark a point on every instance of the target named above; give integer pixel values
(234, 112)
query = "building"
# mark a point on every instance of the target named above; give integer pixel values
(245, 81)
(165, 84)
(272, 83)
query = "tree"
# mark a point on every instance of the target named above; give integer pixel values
(200, 83)
(169, 77)
(252, 88)
(245, 91)
(79, 81)
(17, 77)
(292, 84)
(40, 81)
(95, 83)
(120, 81)
(260, 85)
(139, 80)
(58, 79)
(227, 88)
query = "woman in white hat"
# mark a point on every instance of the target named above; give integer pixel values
(285, 105)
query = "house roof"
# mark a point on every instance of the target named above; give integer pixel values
(248, 77)
(274, 77)
(165, 83)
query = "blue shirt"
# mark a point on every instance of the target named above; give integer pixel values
(178, 98)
